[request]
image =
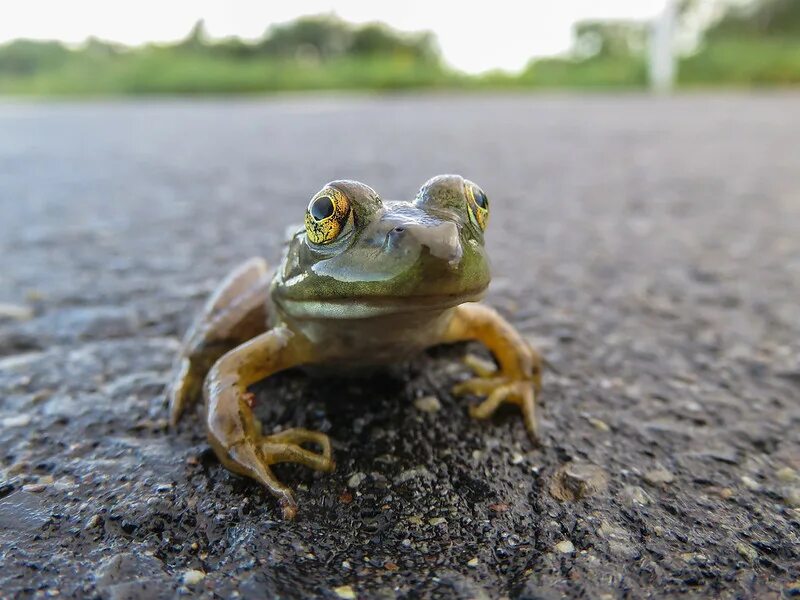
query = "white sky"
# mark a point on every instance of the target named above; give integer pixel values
(474, 36)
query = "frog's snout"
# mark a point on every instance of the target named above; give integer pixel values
(441, 240)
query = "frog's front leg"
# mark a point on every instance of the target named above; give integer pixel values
(234, 313)
(518, 378)
(233, 430)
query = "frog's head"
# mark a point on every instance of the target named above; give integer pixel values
(360, 256)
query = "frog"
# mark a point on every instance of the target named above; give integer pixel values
(364, 283)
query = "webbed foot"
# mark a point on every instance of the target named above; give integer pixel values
(234, 431)
(498, 390)
(518, 378)
(255, 455)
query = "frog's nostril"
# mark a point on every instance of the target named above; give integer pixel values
(399, 229)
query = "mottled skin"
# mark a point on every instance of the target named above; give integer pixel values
(366, 282)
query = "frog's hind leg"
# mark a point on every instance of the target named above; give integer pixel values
(518, 378)
(234, 431)
(234, 313)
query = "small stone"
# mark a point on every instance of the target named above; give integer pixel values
(726, 493)
(34, 487)
(93, 521)
(472, 562)
(355, 480)
(192, 576)
(410, 474)
(15, 312)
(792, 497)
(345, 591)
(598, 424)
(415, 520)
(565, 547)
(437, 521)
(659, 477)
(750, 483)
(633, 494)
(747, 551)
(517, 458)
(786, 474)
(575, 481)
(428, 404)
(20, 420)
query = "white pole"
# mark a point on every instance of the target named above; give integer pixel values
(662, 49)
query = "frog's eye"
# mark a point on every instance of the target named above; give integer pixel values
(326, 216)
(478, 205)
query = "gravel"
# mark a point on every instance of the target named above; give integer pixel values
(648, 246)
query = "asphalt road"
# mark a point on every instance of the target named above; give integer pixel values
(650, 248)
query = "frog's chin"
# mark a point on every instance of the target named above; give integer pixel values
(367, 307)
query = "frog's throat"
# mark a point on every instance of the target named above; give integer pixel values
(366, 307)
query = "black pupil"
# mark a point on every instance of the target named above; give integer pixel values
(321, 208)
(481, 199)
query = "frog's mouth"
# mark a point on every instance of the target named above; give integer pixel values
(365, 307)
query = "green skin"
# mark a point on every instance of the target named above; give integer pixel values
(378, 294)
(395, 278)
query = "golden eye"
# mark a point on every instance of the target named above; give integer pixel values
(326, 216)
(478, 206)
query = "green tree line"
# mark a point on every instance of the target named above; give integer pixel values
(750, 43)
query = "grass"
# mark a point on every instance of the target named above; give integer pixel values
(163, 70)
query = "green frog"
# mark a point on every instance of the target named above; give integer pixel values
(364, 282)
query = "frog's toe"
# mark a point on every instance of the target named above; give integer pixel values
(182, 387)
(255, 455)
(480, 366)
(286, 447)
(499, 391)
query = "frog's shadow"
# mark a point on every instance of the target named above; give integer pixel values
(347, 403)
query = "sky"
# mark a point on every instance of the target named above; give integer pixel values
(473, 36)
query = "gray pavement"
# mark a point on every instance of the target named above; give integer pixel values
(650, 247)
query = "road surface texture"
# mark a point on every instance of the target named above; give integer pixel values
(650, 247)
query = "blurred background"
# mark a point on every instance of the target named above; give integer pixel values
(89, 48)
(641, 157)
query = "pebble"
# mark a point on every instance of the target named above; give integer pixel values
(428, 404)
(786, 474)
(575, 481)
(472, 562)
(598, 424)
(192, 576)
(355, 479)
(750, 483)
(726, 493)
(565, 547)
(34, 487)
(411, 474)
(20, 420)
(792, 497)
(345, 591)
(747, 551)
(633, 494)
(437, 521)
(659, 476)
(15, 312)
(93, 521)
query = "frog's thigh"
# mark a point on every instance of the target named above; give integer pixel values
(519, 375)
(233, 430)
(235, 312)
